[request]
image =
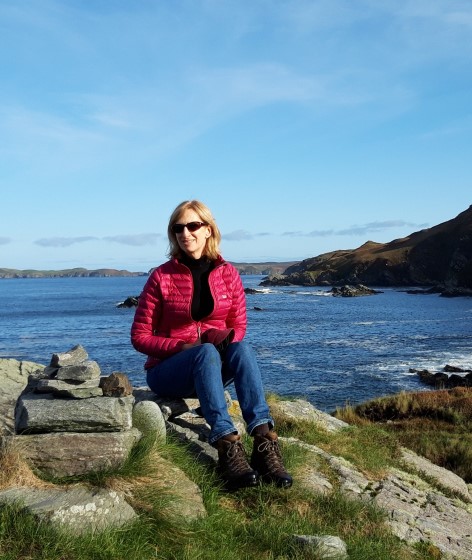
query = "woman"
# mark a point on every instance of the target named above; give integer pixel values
(190, 322)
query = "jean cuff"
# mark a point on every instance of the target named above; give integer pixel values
(213, 439)
(256, 423)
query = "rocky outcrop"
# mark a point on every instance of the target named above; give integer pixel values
(423, 502)
(353, 291)
(130, 301)
(450, 377)
(78, 509)
(438, 256)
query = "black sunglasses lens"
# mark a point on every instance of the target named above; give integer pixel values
(193, 226)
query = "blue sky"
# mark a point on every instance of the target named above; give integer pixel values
(306, 126)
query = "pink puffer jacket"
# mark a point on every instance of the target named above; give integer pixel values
(163, 321)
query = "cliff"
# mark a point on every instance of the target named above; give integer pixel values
(437, 256)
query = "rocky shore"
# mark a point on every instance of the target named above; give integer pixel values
(65, 418)
(450, 377)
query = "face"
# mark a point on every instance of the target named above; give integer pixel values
(192, 243)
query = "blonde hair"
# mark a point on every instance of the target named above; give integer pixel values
(212, 247)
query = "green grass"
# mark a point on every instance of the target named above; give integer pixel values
(250, 524)
(434, 424)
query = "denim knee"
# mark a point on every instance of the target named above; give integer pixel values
(208, 353)
(241, 350)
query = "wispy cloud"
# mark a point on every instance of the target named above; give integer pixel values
(371, 227)
(135, 240)
(238, 235)
(5, 240)
(63, 241)
(243, 235)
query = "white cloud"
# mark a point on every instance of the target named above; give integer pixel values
(371, 227)
(135, 240)
(238, 235)
(63, 241)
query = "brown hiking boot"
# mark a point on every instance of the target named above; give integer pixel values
(232, 463)
(266, 459)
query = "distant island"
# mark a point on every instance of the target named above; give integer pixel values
(439, 258)
(268, 268)
(67, 273)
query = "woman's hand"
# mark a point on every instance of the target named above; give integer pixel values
(189, 345)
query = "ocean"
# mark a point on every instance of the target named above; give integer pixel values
(330, 351)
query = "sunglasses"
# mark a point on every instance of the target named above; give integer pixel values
(191, 226)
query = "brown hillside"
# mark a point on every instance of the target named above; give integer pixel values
(437, 256)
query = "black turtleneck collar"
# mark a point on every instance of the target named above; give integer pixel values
(202, 301)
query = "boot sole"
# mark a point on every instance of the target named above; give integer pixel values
(233, 485)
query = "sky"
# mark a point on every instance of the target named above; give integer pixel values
(306, 126)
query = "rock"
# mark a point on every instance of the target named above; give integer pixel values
(14, 376)
(43, 413)
(73, 356)
(454, 369)
(131, 301)
(252, 291)
(77, 509)
(311, 478)
(72, 453)
(187, 502)
(353, 291)
(116, 385)
(194, 432)
(83, 371)
(84, 390)
(169, 407)
(416, 510)
(325, 546)
(447, 479)
(148, 418)
(456, 292)
(441, 380)
(275, 280)
(304, 410)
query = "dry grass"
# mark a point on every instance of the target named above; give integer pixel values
(15, 471)
(435, 424)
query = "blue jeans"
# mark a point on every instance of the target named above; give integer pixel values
(200, 372)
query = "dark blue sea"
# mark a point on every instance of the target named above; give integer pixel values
(331, 351)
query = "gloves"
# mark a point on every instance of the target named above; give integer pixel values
(220, 338)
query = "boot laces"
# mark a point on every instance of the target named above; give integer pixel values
(237, 461)
(271, 451)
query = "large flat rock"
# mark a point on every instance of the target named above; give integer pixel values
(44, 413)
(72, 453)
(77, 509)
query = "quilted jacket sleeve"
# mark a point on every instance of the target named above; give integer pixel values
(143, 327)
(237, 318)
